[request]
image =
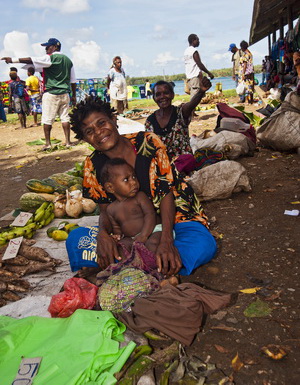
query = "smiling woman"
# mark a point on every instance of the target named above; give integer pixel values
(171, 123)
(174, 200)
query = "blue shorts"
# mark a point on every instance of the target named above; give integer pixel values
(193, 240)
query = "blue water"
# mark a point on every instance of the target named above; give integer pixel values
(227, 84)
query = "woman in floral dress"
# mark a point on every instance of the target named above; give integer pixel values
(246, 71)
(171, 123)
(173, 199)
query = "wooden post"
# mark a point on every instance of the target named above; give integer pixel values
(290, 16)
(281, 28)
(269, 44)
(274, 35)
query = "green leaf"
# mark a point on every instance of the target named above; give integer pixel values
(258, 309)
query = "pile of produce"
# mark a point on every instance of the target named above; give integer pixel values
(61, 232)
(63, 190)
(30, 259)
(42, 216)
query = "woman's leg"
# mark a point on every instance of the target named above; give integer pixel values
(195, 244)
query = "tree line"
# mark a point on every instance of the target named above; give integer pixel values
(224, 72)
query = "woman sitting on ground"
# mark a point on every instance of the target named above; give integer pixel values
(174, 200)
(171, 123)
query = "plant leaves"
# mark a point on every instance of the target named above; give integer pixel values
(251, 290)
(258, 309)
(236, 363)
(224, 327)
(221, 349)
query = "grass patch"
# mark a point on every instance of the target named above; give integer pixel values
(150, 103)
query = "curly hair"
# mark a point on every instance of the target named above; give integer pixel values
(106, 174)
(84, 108)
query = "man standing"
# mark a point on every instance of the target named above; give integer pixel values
(58, 74)
(236, 55)
(193, 65)
(33, 89)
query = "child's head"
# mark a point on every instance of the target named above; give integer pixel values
(118, 178)
(13, 75)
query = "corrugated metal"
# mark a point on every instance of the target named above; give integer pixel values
(267, 14)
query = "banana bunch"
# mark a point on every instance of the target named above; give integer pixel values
(15, 232)
(42, 217)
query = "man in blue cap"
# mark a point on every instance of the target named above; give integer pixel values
(59, 76)
(236, 55)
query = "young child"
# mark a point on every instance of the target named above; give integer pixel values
(132, 214)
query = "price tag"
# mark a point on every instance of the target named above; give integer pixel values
(12, 248)
(27, 371)
(22, 219)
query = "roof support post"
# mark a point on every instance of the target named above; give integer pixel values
(290, 16)
(281, 28)
(269, 44)
(274, 35)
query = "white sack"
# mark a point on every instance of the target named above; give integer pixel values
(220, 180)
(281, 130)
(233, 143)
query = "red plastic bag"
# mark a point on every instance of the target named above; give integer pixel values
(78, 294)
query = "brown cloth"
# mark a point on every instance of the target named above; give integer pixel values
(175, 311)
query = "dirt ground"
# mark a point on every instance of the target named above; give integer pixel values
(258, 246)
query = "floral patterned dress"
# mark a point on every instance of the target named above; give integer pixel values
(249, 74)
(156, 175)
(175, 135)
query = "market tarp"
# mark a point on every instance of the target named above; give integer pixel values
(81, 349)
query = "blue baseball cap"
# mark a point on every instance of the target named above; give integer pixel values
(52, 41)
(232, 45)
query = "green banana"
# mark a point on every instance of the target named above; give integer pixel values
(38, 216)
(49, 219)
(29, 235)
(2, 241)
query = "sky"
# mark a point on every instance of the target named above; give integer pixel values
(149, 35)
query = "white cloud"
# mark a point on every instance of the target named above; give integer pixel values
(63, 6)
(16, 43)
(126, 60)
(222, 57)
(164, 58)
(86, 58)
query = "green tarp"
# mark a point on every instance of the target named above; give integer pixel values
(81, 349)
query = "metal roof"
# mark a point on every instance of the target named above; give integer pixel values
(267, 14)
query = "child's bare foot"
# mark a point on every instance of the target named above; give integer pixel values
(89, 273)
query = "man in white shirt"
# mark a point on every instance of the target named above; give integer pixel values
(193, 65)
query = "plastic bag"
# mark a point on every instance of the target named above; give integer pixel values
(281, 131)
(78, 294)
(220, 180)
(240, 89)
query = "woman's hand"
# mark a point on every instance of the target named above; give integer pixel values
(167, 258)
(107, 250)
